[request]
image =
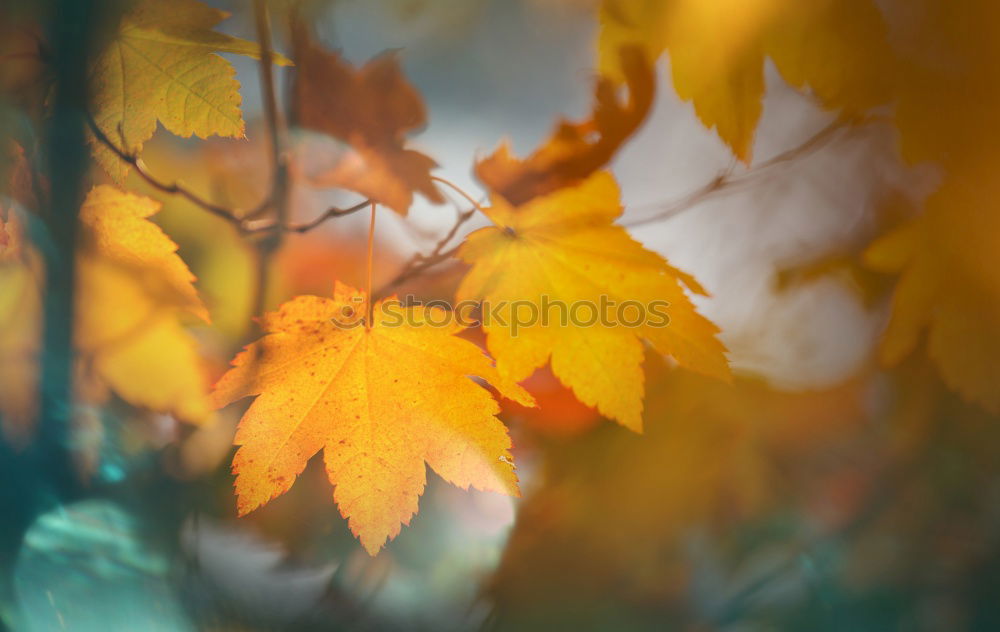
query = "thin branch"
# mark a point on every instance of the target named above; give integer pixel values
(243, 221)
(457, 189)
(280, 186)
(419, 263)
(416, 266)
(726, 181)
(232, 216)
(369, 265)
(330, 213)
(277, 132)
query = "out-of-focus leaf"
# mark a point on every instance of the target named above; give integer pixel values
(131, 289)
(838, 49)
(372, 109)
(605, 536)
(949, 283)
(576, 150)
(949, 286)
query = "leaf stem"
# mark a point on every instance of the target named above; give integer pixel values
(243, 221)
(173, 188)
(371, 250)
(460, 191)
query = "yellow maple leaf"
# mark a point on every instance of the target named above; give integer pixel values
(161, 66)
(837, 48)
(116, 231)
(563, 250)
(948, 291)
(131, 287)
(379, 402)
(949, 286)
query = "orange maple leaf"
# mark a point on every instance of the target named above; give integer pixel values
(379, 402)
(372, 109)
(576, 150)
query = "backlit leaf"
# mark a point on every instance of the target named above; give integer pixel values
(564, 248)
(836, 48)
(379, 402)
(948, 287)
(162, 66)
(576, 150)
(131, 289)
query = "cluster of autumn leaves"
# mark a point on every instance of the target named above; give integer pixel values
(380, 401)
(925, 66)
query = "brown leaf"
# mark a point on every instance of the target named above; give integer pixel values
(372, 109)
(576, 150)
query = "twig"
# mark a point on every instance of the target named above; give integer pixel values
(419, 262)
(369, 265)
(243, 221)
(277, 132)
(330, 213)
(457, 189)
(417, 265)
(233, 216)
(277, 135)
(460, 219)
(726, 180)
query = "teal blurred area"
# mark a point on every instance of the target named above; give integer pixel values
(86, 567)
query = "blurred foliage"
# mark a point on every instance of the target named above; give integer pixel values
(872, 504)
